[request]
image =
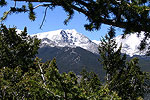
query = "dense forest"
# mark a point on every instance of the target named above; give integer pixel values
(23, 76)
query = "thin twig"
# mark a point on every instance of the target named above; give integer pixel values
(44, 17)
(15, 4)
(38, 6)
(42, 5)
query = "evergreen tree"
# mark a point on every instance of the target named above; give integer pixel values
(125, 78)
(17, 49)
(92, 89)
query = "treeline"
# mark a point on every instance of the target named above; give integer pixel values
(24, 77)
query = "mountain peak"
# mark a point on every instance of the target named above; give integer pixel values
(52, 34)
(66, 38)
(130, 44)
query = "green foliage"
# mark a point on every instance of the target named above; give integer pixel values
(3, 3)
(47, 83)
(89, 83)
(17, 49)
(125, 78)
(112, 59)
(17, 85)
(31, 13)
(17, 10)
(92, 88)
(5, 14)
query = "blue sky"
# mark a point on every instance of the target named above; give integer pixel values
(54, 21)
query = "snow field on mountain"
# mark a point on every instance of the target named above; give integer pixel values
(66, 38)
(71, 38)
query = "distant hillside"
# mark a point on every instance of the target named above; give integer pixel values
(144, 62)
(75, 59)
(72, 59)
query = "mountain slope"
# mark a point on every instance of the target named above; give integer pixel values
(72, 59)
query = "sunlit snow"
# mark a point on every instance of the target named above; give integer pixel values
(69, 38)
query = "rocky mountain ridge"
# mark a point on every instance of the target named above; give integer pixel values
(66, 38)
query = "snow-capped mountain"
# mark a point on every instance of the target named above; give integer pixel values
(66, 38)
(97, 42)
(130, 44)
(73, 39)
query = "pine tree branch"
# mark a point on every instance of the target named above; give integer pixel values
(86, 8)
